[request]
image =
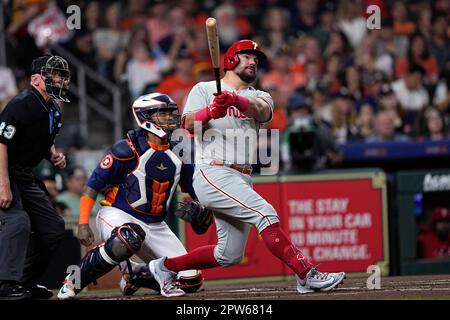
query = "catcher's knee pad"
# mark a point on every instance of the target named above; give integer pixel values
(124, 241)
(190, 284)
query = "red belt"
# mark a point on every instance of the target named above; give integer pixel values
(241, 169)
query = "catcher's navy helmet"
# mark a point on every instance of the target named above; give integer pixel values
(146, 109)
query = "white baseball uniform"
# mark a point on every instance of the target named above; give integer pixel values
(226, 191)
(159, 241)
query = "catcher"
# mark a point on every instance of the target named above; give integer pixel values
(141, 174)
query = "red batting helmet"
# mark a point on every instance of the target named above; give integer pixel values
(231, 58)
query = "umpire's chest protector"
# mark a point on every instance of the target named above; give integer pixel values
(148, 189)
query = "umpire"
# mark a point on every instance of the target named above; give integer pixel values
(30, 228)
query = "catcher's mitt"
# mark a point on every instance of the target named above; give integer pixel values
(199, 216)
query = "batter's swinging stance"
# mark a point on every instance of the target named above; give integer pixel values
(222, 178)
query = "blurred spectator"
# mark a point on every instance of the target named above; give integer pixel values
(440, 43)
(365, 122)
(418, 54)
(368, 60)
(307, 144)
(202, 71)
(109, 39)
(442, 94)
(431, 125)
(280, 117)
(319, 100)
(281, 74)
(135, 14)
(178, 85)
(401, 22)
(305, 16)
(388, 47)
(8, 86)
(274, 32)
(341, 116)
(305, 50)
(91, 16)
(338, 44)
(232, 26)
(409, 90)
(332, 73)
(19, 42)
(194, 12)
(145, 68)
(424, 23)
(326, 24)
(351, 21)
(385, 129)
(158, 25)
(198, 45)
(353, 82)
(387, 101)
(76, 178)
(434, 239)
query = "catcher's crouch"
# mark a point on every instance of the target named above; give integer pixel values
(142, 174)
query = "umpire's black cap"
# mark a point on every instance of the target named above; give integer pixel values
(39, 63)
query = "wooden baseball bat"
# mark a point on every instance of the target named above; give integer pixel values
(214, 50)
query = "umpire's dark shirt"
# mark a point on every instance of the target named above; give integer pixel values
(28, 126)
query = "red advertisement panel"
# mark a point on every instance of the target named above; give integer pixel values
(337, 223)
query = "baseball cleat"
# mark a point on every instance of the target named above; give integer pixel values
(167, 279)
(67, 291)
(316, 280)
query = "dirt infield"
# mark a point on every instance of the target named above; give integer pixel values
(405, 287)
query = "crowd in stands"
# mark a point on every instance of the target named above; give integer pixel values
(390, 83)
(367, 85)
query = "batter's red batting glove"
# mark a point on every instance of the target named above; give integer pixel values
(212, 111)
(216, 111)
(228, 99)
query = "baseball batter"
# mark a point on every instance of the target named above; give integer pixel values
(222, 178)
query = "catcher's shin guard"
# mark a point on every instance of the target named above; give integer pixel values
(190, 284)
(121, 245)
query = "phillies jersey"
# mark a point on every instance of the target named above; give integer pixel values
(232, 138)
(146, 177)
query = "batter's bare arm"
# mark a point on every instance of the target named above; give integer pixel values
(258, 109)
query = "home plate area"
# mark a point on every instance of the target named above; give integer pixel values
(404, 287)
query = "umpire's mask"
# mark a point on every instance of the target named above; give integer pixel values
(56, 75)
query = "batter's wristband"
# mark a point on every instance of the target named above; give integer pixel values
(86, 205)
(242, 103)
(202, 116)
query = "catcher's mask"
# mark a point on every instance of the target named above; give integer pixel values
(56, 73)
(156, 113)
(231, 59)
